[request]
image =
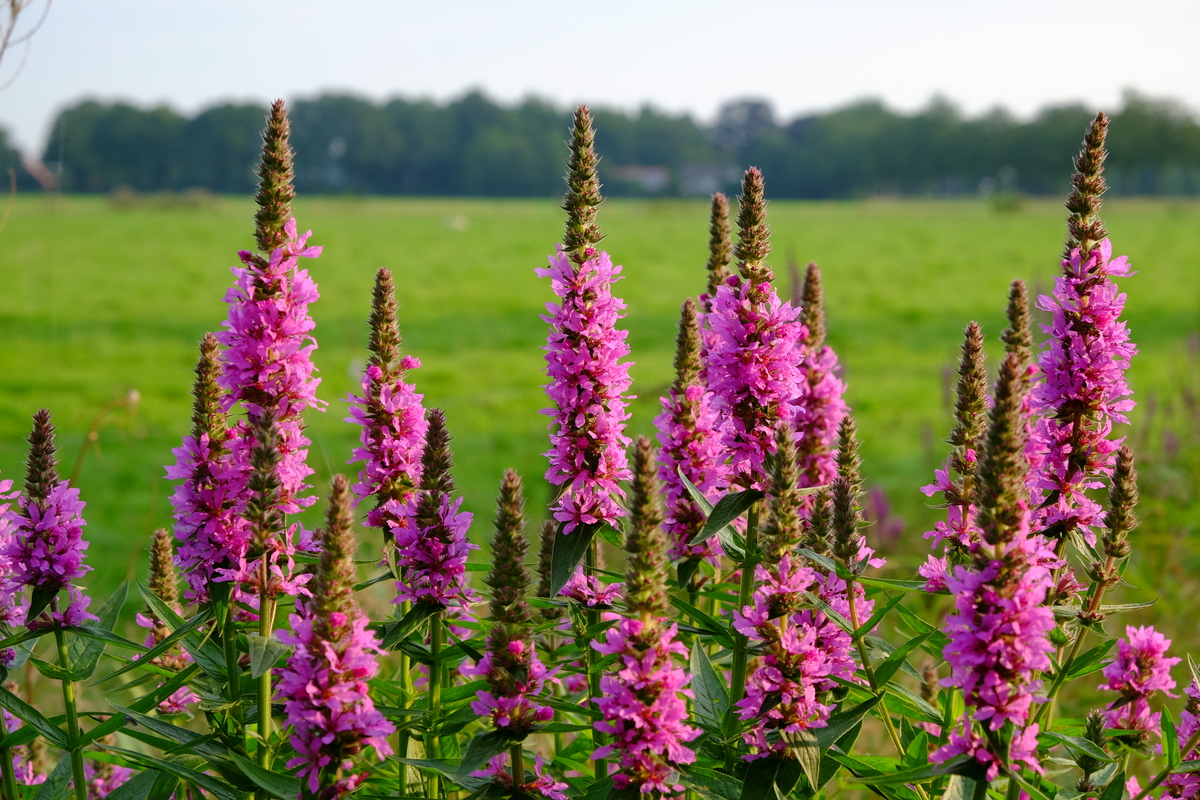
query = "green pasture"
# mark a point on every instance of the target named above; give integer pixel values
(96, 301)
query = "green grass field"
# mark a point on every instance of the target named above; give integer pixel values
(96, 301)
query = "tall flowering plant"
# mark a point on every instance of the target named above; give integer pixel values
(752, 675)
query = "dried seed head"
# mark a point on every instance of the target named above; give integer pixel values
(509, 579)
(646, 545)
(583, 189)
(720, 245)
(754, 237)
(1085, 230)
(275, 174)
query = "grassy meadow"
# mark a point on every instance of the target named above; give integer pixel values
(96, 301)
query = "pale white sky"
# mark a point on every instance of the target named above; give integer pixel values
(804, 55)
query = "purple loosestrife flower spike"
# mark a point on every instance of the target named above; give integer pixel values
(956, 479)
(583, 190)
(720, 249)
(819, 408)
(323, 686)
(1083, 391)
(690, 439)
(642, 703)
(784, 527)
(275, 191)
(12, 604)
(1140, 669)
(1084, 227)
(515, 674)
(998, 633)
(587, 382)
(431, 532)
(46, 548)
(164, 583)
(390, 411)
(207, 504)
(1018, 336)
(545, 564)
(751, 361)
(1122, 499)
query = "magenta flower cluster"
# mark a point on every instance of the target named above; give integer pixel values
(393, 438)
(12, 605)
(1082, 392)
(207, 509)
(804, 653)
(516, 679)
(1140, 669)
(543, 784)
(433, 557)
(324, 690)
(589, 590)
(690, 439)
(753, 371)
(643, 706)
(587, 386)
(817, 412)
(998, 643)
(45, 551)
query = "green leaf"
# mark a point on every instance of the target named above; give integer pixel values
(276, 784)
(136, 788)
(841, 722)
(720, 631)
(207, 655)
(569, 549)
(265, 653)
(39, 601)
(959, 787)
(891, 665)
(917, 587)
(84, 653)
(731, 541)
(393, 633)
(687, 570)
(924, 774)
(164, 788)
(482, 749)
(166, 644)
(727, 509)
(875, 619)
(807, 750)
(599, 790)
(445, 768)
(1116, 787)
(219, 789)
(1170, 739)
(147, 702)
(1091, 661)
(916, 755)
(55, 786)
(53, 671)
(829, 766)
(711, 785)
(175, 733)
(1194, 670)
(828, 611)
(759, 783)
(1034, 790)
(712, 698)
(1079, 745)
(34, 719)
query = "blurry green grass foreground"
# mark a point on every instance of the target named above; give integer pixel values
(98, 300)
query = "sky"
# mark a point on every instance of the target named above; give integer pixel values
(687, 56)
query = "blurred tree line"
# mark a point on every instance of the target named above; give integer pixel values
(475, 146)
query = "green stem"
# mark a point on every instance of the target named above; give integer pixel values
(737, 688)
(517, 756)
(737, 684)
(266, 624)
(406, 699)
(593, 619)
(433, 748)
(232, 668)
(68, 686)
